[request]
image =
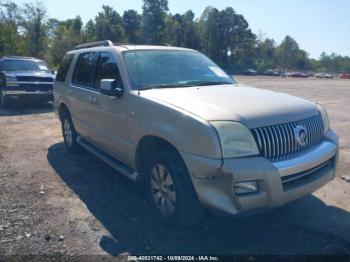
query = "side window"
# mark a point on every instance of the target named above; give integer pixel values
(106, 68)
(84, 69)
(64, 67)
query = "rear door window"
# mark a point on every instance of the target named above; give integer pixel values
(84, 68)
(64, 67)
(106, 68)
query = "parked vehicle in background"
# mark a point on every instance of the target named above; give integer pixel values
(172, 119)
(25, 78)
(250, 72)
(324, 75)
(345, 76)
(272, 72)
(297, 75)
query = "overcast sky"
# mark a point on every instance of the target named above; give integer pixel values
(317, 25)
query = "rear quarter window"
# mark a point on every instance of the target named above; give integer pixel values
(64, 67)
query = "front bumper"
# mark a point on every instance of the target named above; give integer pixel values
(22, 94)
(279, 182)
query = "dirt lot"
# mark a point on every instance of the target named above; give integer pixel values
(55, 203)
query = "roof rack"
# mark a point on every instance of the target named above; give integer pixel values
(94, 44)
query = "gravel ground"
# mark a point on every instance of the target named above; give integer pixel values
(53, 203)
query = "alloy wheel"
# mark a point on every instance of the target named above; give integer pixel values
(163, 190)
(67, 132)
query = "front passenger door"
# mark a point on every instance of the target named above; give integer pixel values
(113, 122)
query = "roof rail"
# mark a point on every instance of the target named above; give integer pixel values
(94, 44)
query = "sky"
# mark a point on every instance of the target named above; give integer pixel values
(317, 25)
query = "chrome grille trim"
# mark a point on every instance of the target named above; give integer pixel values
(278, 142)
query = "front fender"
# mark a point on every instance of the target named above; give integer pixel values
(186, 132)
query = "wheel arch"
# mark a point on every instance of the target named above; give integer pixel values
(146, 146)
(62, 108)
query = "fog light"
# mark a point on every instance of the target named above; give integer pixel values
(246, 187)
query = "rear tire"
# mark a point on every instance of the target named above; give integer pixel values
(69, 134)
(171, 192)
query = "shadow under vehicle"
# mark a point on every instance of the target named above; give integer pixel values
(300, 228)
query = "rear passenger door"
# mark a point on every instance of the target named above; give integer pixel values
(82, 93)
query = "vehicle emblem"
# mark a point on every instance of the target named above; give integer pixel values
(36, 83)
(300, 134)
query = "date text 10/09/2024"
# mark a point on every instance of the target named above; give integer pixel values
(173, 258)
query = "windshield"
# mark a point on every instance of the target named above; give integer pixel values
(164, 69)
(23, 65)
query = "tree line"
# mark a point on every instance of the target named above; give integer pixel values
(223, 35)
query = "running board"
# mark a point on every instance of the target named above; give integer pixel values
(114, 163)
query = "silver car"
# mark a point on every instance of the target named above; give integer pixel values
(172, 119)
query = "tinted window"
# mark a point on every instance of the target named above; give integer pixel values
(106, 68)
(23, 65)
(62, 72)
(84, 69)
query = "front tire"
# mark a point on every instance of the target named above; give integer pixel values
(4, 101)
(69, 134)
(171, 192)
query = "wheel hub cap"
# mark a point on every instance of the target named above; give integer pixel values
(163, 190)
(67, 131)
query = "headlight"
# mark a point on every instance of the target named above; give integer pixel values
(236, 140)
(11, 81)
(324, 116)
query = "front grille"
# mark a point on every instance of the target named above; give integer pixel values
(280, 142)
(34, 79)
(33, 87)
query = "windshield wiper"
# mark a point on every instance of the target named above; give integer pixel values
(186, 84)
(164, 86)
(207, 83)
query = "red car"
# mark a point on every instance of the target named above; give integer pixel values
(345, 76)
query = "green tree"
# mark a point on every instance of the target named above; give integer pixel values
(226, 38)
(265, 58)
(153, 20)
(173, 34)
(66, 35)
(289, 55)
(109, 25)
(334, 63)
(32, 19)
(132, 26)
(181, 30)
(90, 31)
(190, 30)
(11, 42)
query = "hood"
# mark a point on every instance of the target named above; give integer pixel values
(250, 106)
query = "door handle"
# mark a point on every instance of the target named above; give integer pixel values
(93, 99)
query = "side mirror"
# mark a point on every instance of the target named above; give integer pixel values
(111, 87)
